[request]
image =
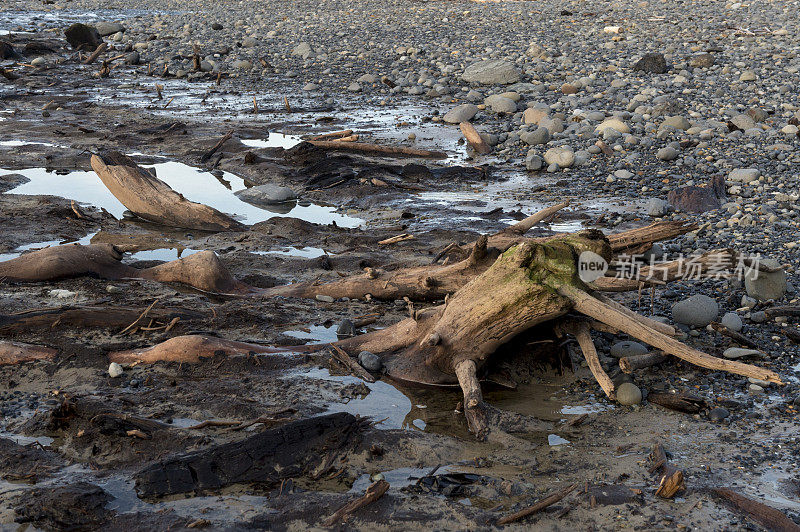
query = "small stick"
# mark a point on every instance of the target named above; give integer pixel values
(539, 506)
(736, 336)
(76, 210)
(207, 155)
(159, 88)
(97, 52)
(141, 316)
(341, 356)
(286, 104)
(373, 493)
(396, 239)
(522, 227)
(255, 105)
(333, 135)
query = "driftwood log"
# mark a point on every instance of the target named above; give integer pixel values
(18, 352)
(203, 271)
(153, 200)
(266, 458)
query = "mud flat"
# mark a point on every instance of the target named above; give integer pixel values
(635, 113)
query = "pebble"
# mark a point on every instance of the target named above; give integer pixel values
(739, 352)
(744, 175)
(667, 153)
(627, 348)
(346, 328)
(491, 72)
(115, 370)
(766, 285)
(370, 361)
(718, 414)
(324, 298)
(629, 394)
(461, 113)
(698, 311)
(732, 321)
(564, 157)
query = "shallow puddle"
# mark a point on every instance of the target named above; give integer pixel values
(16, 252)
(275, 140)
(397, 478)
(316, 334)
(196, 185)
(301, 252)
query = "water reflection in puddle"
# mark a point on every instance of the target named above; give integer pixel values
(304, 252)
(383, 403)
(317, 334)
(18, 143)
(397, 478)
(275, 140)
(555, 440)
(16, 252)
(194, 184)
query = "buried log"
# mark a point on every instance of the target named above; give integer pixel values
(192, 348)
(90, 316)
(539, 505)
(766, 516)
(203, 271)
(153, 200)
(266, 458)
(18, 352)
(364, 147)
(671, 477)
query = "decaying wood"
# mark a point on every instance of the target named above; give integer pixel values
(203, 271)
(766, 516)
(396, 151)
(631, 364)
(639, 240)
(580, 330)
(373, 493)
(735, 336)
(97, 52)
(191, 348)
(210, 153)
(671, 478)
(18, 352)
(474, 407)
(539, 506)
(474, 138)
(89, 316)
(265, 458)
(334, 135)
(347, 361)
(682, 402)
(602, 312)
(153, 200)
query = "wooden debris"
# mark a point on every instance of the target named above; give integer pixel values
(208, 154)
(682, 402)
(191, 349)
(153, 200)
(735, 336)
(671, 477)
(338, 135)
(395, 239)
(474, 138)
(631, 364)
(343, 358)
(17, 352)
(766, 516)
(539, 506)
(373, 493)
(97, 53)
(265, 458)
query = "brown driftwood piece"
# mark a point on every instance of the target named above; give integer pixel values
(580, 330)
(793, 335)
(631, 364)
(682, 402)
(203, 271)
(97, 52)
(767, 516)
(347, 361)
(265, 458)
(635, 239)
(334, 135)
(789, 311)
(191, 348)
(153, 200)
(474, 407)
(539, 506)
(594, 308)
(735, 336)
(671, 478)
(474, 138)
(523, 226)
(373, 493)
(210, 153)
(89, 316)
(17, 352)
(397, 151)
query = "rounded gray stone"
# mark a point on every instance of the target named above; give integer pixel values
(698, 311)
(629, 394)
(627, 348)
